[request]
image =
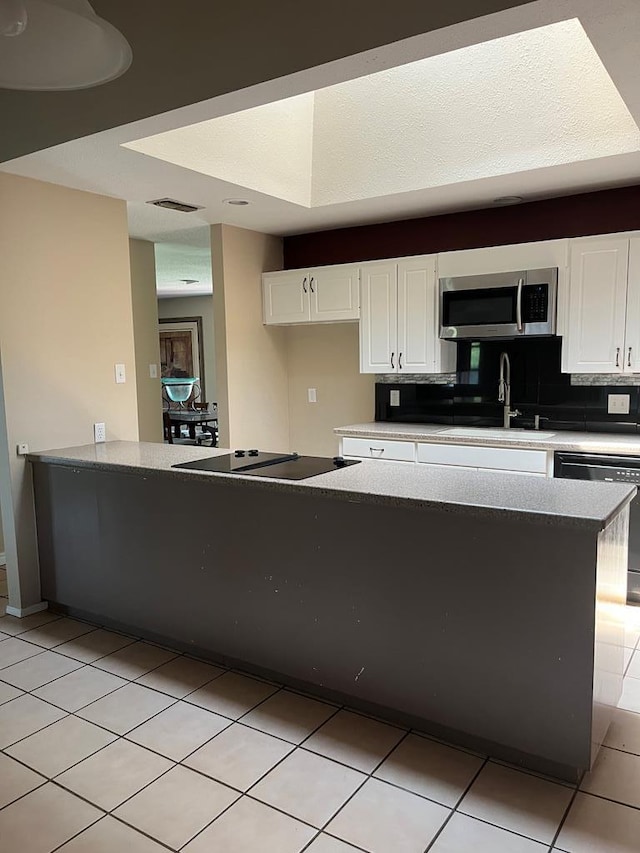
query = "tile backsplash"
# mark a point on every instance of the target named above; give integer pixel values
(470, 397)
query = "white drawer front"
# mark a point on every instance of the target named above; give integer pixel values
(369, 448)
(497, 458)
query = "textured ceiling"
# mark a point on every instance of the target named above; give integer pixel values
(527, 101)
(101, 164)
(186, 256)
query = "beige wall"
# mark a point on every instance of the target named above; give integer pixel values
(145, 333)
(251, 359)
(65, 321)
(264, 372)
(197, 306)
(325, 357)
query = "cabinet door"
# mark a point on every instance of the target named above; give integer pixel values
(334, 294)
(378, 318)
(420, 349)
(595, 325)
(632, 333)
(285, 297)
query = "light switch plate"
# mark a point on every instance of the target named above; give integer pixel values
(312, 396)
(153, 371)
(121, 376)
(394, 397)
(618, 404)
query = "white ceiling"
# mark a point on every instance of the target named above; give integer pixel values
(592, 120)
(187, 256)
(526, 101)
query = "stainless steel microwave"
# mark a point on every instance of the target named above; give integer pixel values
(501, 305)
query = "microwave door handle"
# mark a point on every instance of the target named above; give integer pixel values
(519, 304)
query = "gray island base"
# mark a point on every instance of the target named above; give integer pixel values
(479, 608)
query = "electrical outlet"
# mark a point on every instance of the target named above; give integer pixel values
(394, 397)
(311, 393)
(618, 404)
(153, 371)
(99, 433)
(121, 376)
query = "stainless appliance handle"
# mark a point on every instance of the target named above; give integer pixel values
(393, 367)
(519, 304)
(304, 284)
(617, 356)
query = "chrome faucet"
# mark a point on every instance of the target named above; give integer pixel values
(504, 390)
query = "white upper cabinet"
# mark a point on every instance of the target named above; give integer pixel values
(334, 293)
(378, 318)
(285, 297)
(420, 349)
(399, 330)
(516, 256)
(322, 295)
(632, 329)
(596, 320)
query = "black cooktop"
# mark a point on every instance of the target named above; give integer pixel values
(281, 466)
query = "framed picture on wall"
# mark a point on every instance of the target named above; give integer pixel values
(181, 349)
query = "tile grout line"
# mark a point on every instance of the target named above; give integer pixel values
(564, 817)
(300, 745)
(367, 778)
(266, 773)
(458, 801)
(239, 721)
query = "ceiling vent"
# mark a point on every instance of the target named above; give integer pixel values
(172, 204)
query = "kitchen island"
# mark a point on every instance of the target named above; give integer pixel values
(480, 607)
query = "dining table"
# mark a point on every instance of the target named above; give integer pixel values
(207, 419)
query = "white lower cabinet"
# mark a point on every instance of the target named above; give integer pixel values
(460, 456)
(494, 458)
(370, 448)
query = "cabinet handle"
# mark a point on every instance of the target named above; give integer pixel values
(617, 356)
(379, 450)
(519, 305)
(629, 358)
(400, 361)
(393, 367)
(304, 284)
(311, 284)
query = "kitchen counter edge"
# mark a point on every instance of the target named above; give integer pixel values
(373, 482)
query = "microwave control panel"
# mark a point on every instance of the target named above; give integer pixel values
(535, 303)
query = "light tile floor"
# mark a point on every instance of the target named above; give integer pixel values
(108, 743)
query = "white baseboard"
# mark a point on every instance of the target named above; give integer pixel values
(3, 559)
(27, 611)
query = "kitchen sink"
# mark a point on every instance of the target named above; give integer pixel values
(470, 432)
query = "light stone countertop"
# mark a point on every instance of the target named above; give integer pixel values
(579, 442)
(486, 493)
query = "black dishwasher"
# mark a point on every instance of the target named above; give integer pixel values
(610, 469)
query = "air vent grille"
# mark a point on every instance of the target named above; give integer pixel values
(172, 204)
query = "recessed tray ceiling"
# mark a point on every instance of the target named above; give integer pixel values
(526, 101)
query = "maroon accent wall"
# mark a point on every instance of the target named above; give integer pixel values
(606, 211)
